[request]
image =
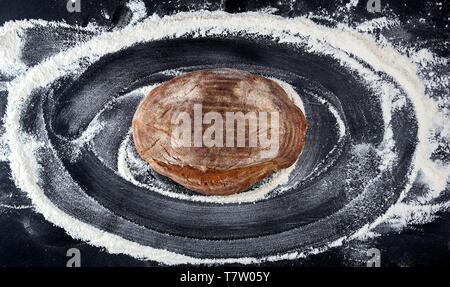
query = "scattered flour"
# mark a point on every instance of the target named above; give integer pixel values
(11, 48)
(337, 42)
(138, 10)
(378, 23)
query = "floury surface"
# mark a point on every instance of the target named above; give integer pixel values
(32, 240)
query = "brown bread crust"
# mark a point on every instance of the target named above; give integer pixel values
(216, 170)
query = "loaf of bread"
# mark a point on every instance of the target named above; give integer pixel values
(218, 131)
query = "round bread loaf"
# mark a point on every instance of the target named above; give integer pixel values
(218, 131)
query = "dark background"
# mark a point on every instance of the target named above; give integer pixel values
(91, 9)
(27, 239)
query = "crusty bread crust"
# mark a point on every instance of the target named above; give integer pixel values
(216, 170)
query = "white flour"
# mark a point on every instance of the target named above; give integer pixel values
(11, 33)
(338, 43)
(138, 10)
(378, 23)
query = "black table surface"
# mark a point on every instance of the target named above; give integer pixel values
(27, 239)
